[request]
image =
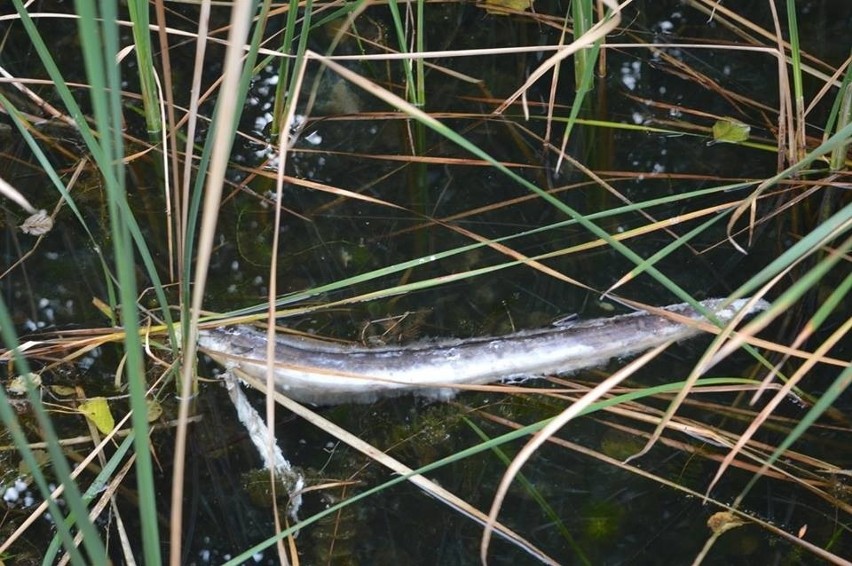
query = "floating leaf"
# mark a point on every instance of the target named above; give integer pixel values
(22, 383)
(724, 521)
(500, 7)
(154, 410)
(63, 390)
(730, 131)
(97, 410)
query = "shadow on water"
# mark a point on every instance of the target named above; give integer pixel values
(595, 512)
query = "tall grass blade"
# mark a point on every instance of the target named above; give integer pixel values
(798, 88)
(412, 84)
(100, 44)
(582, 12)
(841, 117)
(237, 76)
(145, 65)
(284, 84)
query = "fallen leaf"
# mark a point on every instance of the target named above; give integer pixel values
(21, 384)
(154, 410)
(730, 131)
(97, 410)
(63, 390)
(724, 521)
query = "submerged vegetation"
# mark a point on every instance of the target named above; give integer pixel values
(389, 172)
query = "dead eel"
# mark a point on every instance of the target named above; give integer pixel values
(324, 373)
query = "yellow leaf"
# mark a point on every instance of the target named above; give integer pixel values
(63, 390)
(500, 7)
(730, 131)
(103, 307)
(97, 410)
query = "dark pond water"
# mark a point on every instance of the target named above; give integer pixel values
(595, 512)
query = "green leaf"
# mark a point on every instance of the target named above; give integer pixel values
(155, 410)
(730, 131)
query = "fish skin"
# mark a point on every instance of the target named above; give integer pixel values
(314, 371)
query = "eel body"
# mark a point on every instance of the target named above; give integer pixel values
(325, 373)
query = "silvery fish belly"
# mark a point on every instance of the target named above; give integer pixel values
(314, 371)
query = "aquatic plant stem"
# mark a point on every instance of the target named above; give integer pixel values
(226, 112)
(289, 113)
(145, 66)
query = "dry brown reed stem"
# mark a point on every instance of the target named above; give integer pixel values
(182, 197)
(40, 103)
(240, 21)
